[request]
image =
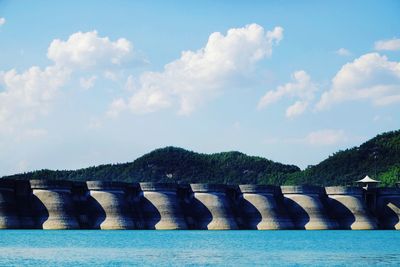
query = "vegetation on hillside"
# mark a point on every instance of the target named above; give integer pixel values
(173, 164)
(378, 158)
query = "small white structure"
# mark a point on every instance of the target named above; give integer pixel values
(368, 182)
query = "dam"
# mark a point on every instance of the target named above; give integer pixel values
(51, 204)
(306, 207)
(108, 206)
(210, 207)
(348, 208)
(160, 207)
(388, 208)
(53, 207)
(8, 205)
(259, 208)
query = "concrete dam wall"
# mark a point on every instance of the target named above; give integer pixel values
(388, 208)
(107, 206)
(45, 204)
(52, 205)
(306, 208)
(348, 208)
(259, 208)
(210, 207)
(8, 205)
(160, 207)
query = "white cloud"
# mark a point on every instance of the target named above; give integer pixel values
(343, 52)
(326, 137)
(117, 106)
(301, 88)
(130, 83)
(198, 76)
(110, 75)
(296, 109)
(371, 77)
(2, 21)
(87, 83)
(390, 45)
(86, 49)
(379, 118)
(27, 95)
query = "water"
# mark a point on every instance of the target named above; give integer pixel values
(227, 248)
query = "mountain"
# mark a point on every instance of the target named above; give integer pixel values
(378, 158)
(172, 164)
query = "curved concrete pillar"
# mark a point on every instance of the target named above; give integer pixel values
(259, 209)
(388, 208)
(306, 208)
(348, 208)
(8, 206)
(108, 206)
(211, 208)
(53, 205)
(160, 207)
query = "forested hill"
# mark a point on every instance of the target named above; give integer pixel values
(173, 164)
(380, 155)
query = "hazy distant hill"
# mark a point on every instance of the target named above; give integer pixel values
(173, 164)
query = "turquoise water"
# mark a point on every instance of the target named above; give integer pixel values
(227, 248)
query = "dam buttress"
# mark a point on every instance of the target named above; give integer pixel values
(50, 204)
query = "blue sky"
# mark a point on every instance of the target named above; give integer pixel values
(86, 82)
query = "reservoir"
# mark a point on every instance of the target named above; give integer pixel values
(198, 248)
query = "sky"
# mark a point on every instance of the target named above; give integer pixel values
(84, 83)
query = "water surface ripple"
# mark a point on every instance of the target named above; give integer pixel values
(210, 248)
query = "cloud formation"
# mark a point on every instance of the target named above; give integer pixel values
(370, 77)
(389, 45)
(87, 49)
(2, 21)
(28, 94)
(298, 108)
(25, 96)
(301, 88)
(326, 137)
(343, 52)
(198, 76)
(87, 83)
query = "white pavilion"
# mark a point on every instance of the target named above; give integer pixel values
(368, 182)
